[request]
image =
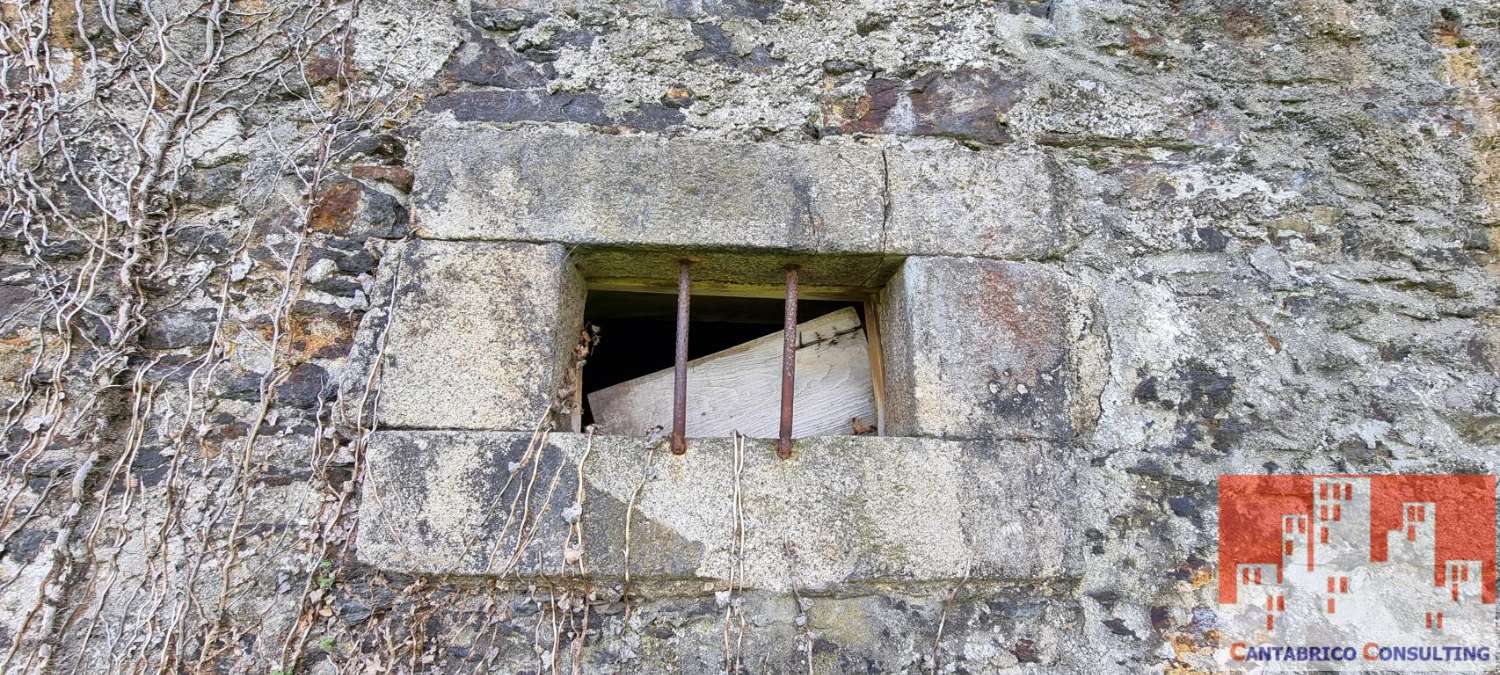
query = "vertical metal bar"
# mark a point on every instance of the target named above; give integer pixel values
(788, 364)
(679, 368)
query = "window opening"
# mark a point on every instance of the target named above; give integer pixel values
(637, 333)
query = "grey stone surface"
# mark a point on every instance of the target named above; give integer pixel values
(178, 329)
(967, 104)
(754, 9)
(844, 512)
(985, 628)
(534, 105)
(990, 349)
(476, 182)
(1288, 210)
(471, 335)
(996, 204)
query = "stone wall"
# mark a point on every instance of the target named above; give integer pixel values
(264, 411)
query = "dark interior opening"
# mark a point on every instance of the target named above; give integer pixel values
(638, 331)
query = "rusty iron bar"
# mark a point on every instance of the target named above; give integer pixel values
(679, 367)
(788, 364)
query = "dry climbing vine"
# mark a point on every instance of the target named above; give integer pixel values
(114, 116)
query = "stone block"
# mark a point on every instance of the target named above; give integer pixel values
(494, 63)
(475, 182)
(180, 328)
(997, 204)
(844, 512)
(535, 105)
(990, 349)
(968, 104)
(476, 335)
(348, 208)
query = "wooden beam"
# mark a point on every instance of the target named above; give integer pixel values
(806, 292)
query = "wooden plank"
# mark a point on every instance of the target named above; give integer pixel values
(740, 388)
(877, 364)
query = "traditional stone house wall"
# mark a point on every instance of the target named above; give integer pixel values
(272, 407)
(984, 355)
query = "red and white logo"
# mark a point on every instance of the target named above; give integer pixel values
(1338, 572)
